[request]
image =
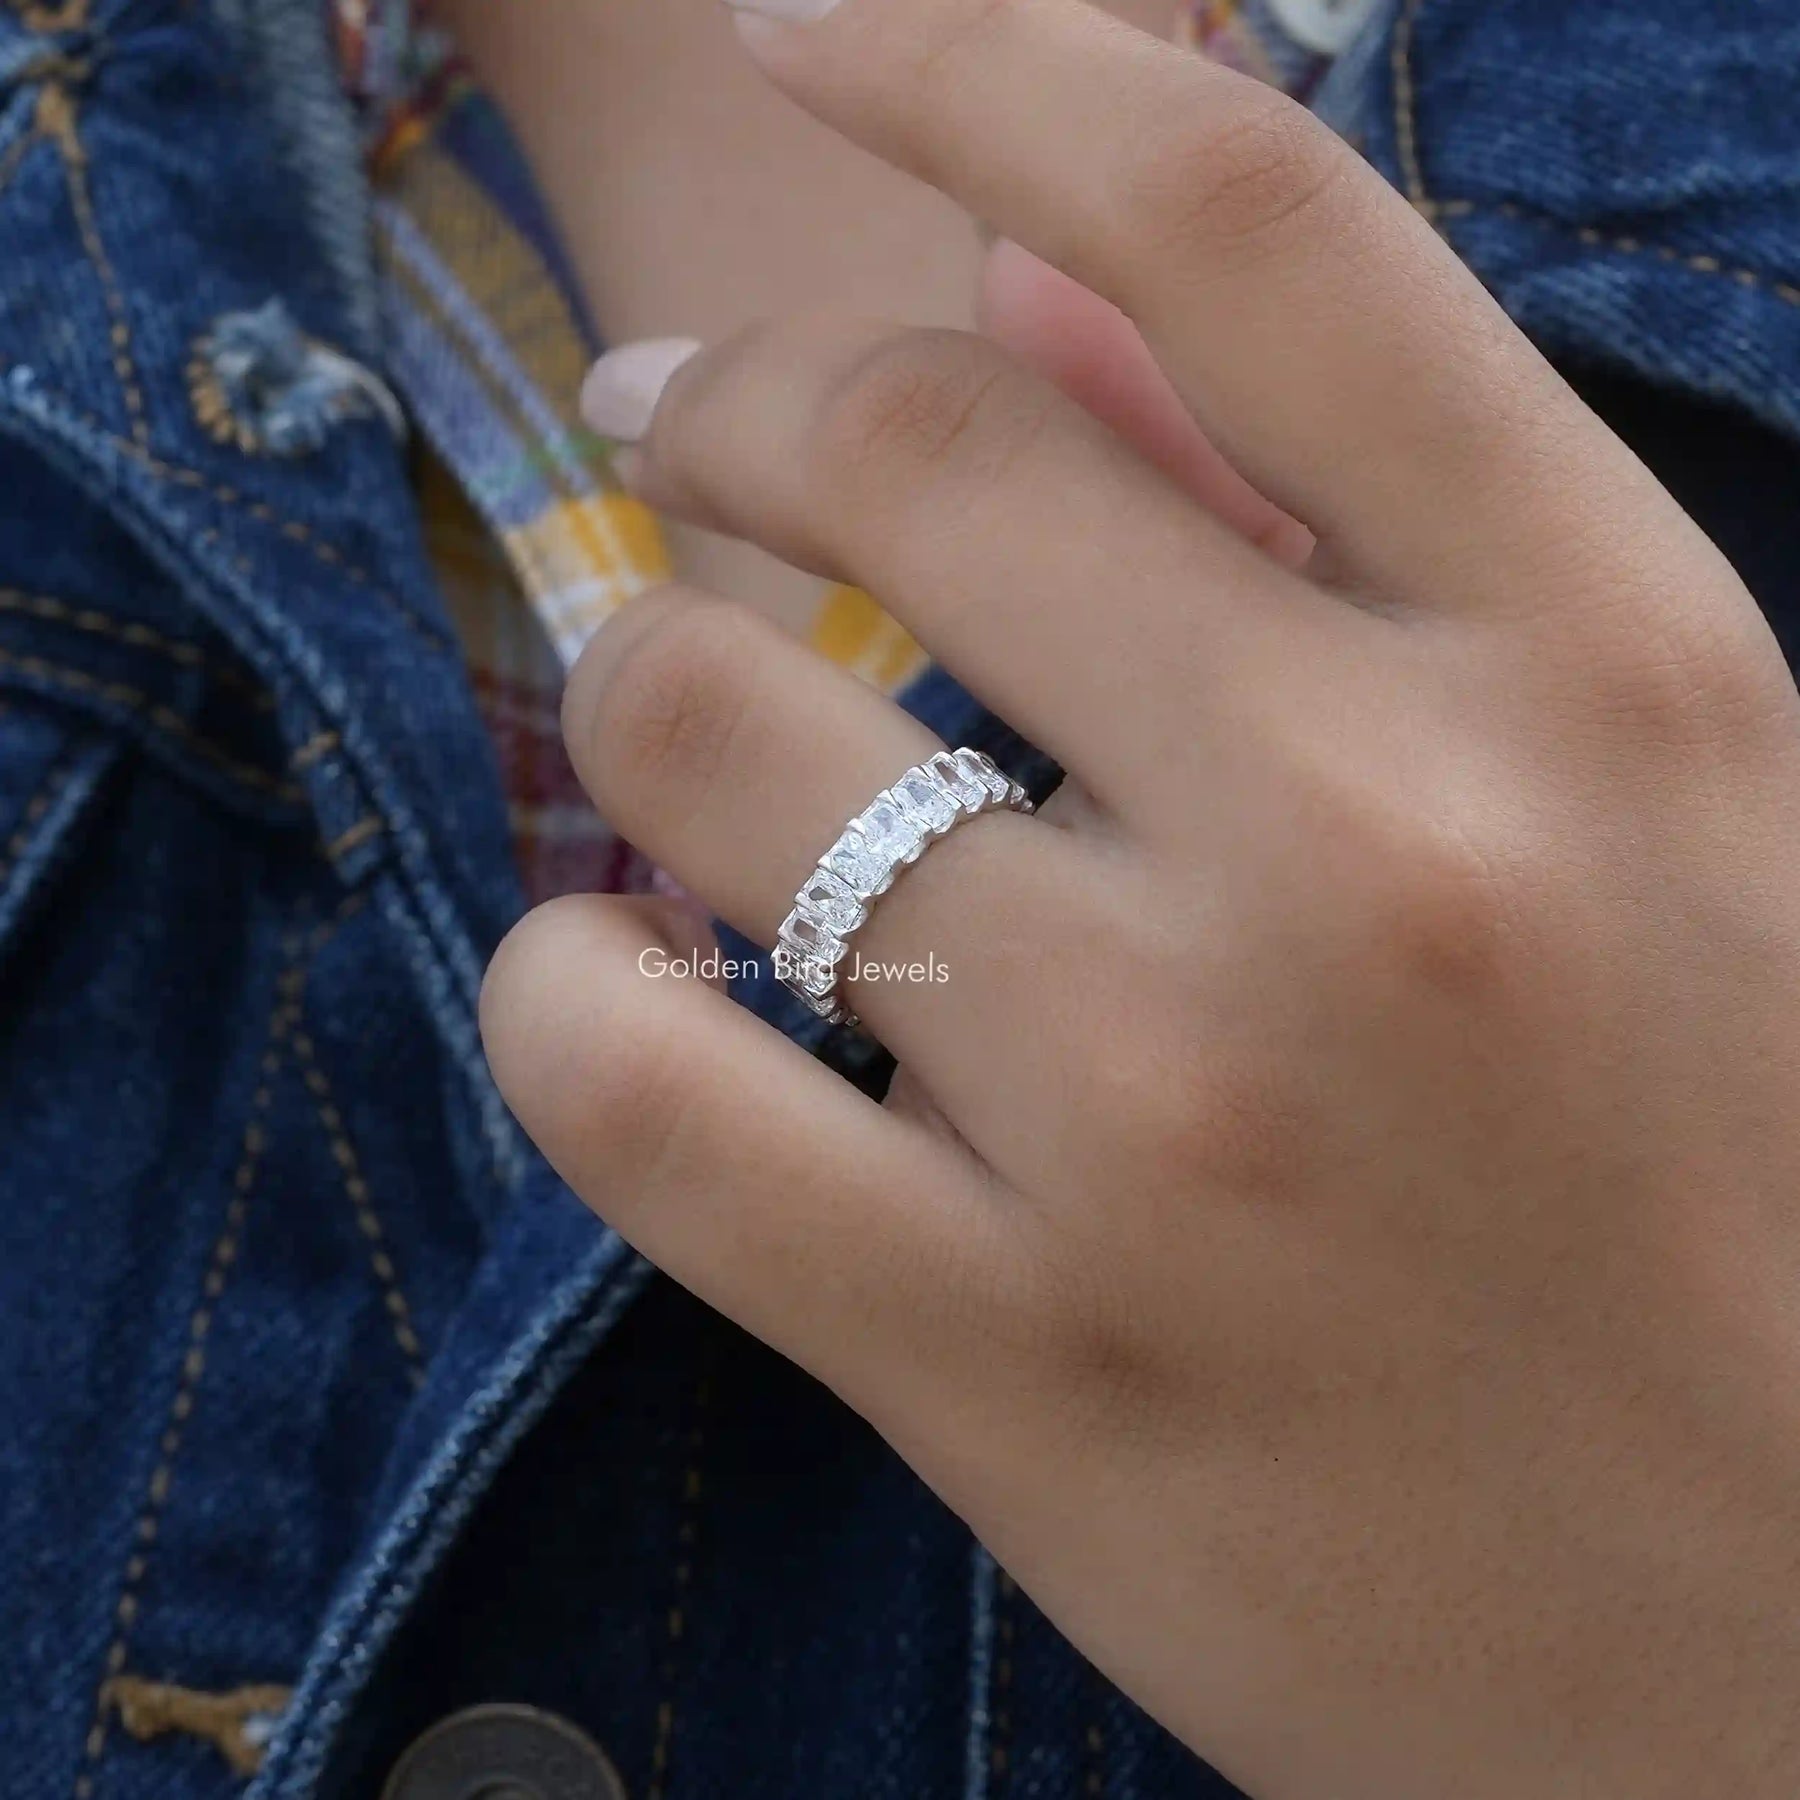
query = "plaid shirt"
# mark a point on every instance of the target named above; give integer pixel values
(487, 342)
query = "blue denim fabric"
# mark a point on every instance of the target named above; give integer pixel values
(311, 1373)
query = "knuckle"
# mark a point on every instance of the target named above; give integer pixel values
(1112, 1371)
(1698, 681)
(672, 704)
(1229, 1117)
(918, 404)
(1447, 911)
(1238, 190)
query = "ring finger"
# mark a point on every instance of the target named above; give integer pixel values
(734, 757)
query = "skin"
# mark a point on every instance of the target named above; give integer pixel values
(722, 203)
(1335, 1236)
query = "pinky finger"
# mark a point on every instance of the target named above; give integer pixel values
(860, 1243)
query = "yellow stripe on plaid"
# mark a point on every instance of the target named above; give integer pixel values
(594, 546)
(573, 585)
(851, 629)
(501, 273)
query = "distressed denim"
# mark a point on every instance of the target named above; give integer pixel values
(312, 1375)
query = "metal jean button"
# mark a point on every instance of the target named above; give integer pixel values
(504, 1753)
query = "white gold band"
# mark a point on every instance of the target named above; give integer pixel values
(892, 833)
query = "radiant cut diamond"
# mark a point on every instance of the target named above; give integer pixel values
(832, 901)
(812, 941)
(858, 864)
(927, 802)
(962, 787)
(982, 769)
(891, 833)
(814, 978)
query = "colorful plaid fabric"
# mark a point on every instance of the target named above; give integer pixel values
(487, 343)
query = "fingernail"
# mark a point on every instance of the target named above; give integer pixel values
(623, 387)
(794, 12)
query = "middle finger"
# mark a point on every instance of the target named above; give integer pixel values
(1072, 586)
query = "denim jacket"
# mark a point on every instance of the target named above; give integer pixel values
(321, 1400)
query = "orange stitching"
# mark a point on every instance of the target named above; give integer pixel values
(155, 714)
(319, 745)
(1698, 264)
(291, 529)
(138, 637)
(70, 16)
(258, 510)
(299, 955)
(1406, 141)
(686, 1537)
(357, 1189)
(193, 1364)
(56, 119)
(149, 1709)
(1006, 1631)
(1406, 103)
(359, 834)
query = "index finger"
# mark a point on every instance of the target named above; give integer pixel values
(1328, 341)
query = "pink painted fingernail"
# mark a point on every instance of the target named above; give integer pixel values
(793, 12)
(620, 394)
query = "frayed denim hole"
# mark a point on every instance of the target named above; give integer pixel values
(260, 383)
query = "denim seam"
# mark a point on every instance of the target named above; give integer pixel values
(35, 809)
(1696, 263)
(260, 510)
(291, 529)
(437, 946)
(687, 1536)
(1412, 174)
(1093, 1744)
(1006, 1634)
(1406, 104)
(138, 637)
(363, 1620)
(58, 121)
(982, 1572)
(157, 717)
(356, 1190)
(296, 950)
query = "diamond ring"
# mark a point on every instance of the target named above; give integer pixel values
(892, 833)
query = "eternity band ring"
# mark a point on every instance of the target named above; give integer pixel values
(927, 802)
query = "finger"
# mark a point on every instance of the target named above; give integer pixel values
(1045, 563)
(735, 757)
(685, 928)
(1099, 359)
(859, 1243)
(1329, 342)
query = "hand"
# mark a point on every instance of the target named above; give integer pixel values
(1336, 1239)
